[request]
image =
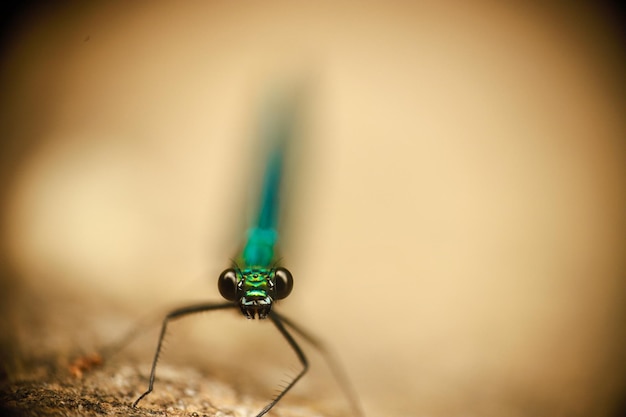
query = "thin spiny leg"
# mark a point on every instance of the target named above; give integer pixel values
(178, 313)
(276, 319)
(333, 363)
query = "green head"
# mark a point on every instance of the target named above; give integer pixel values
(255, 288)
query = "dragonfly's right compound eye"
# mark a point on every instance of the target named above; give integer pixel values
(284, 282)
(227, 284)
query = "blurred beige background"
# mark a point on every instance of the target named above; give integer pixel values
(455, 227)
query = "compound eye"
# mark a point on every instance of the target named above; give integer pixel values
(227, 284)
(283, 281)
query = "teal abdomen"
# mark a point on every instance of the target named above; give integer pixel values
(262, 236)
(259, 249)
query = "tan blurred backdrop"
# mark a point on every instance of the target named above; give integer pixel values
(455, 224)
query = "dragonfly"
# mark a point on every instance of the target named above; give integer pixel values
(256, 279)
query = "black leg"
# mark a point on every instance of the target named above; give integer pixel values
(178, 313)
(332, 362)
(277, 320)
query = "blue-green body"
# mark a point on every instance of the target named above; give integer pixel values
(258, 277)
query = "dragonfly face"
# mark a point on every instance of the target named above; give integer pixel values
(254, 289)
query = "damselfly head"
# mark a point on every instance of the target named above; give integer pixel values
(255, 289)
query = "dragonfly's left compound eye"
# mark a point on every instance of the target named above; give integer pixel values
(227, 284)
(283, 281)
